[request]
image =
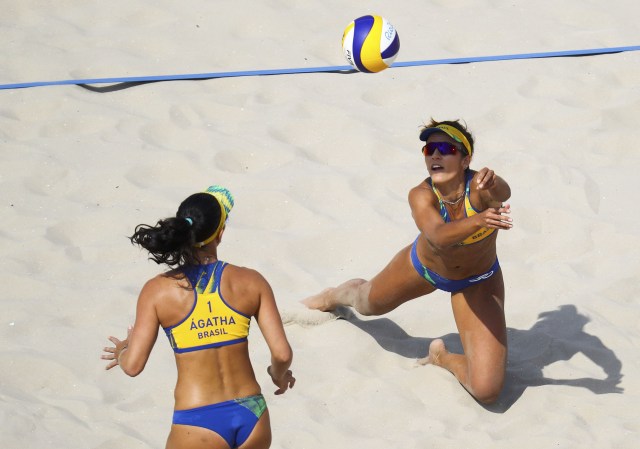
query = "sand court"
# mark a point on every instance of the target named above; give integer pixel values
(320, 165)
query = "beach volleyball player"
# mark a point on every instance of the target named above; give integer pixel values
(458, 212)
(205, 307)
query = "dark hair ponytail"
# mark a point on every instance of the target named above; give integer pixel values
(173, 241)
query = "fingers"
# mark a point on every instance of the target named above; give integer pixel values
(111, 356)
(486, 179)
(111, 351)
(288, 382)
(288, 385)
(499, 224)
(111, 365)
(291, 381)
(497, 217)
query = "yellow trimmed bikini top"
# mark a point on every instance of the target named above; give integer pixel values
(212, 322)
(469, 211)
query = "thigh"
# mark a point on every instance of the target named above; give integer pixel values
(396, 284)
(194, 437)
(479, 316)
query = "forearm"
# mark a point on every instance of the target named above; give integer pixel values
(280, 363)
(452, 233)
(131, 362)
(499, 193)
(124, 362)
(279, 370)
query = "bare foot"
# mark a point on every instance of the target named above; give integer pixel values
(436, 349)
(320, 301)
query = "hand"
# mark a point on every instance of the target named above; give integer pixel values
(486, 179)
(495, 217)
(284, 383)
(113, 352)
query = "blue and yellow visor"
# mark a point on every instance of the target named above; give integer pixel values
(225, 199)
(449, 130)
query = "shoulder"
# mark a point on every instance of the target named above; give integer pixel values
(422, 190)
(422, 194)
(165, 284)
(243, 273)
(244, 280)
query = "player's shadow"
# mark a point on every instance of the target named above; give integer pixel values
(557, 335)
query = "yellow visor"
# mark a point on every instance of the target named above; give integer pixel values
(452, 132)
(225, 199)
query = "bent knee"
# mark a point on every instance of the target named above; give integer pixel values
(488, 398)
(486, 392)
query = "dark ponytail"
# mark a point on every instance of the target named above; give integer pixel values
(173, 241)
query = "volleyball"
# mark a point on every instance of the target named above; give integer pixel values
(370, 43)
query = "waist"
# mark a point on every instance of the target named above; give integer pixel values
(457, 262)
(208, 400)
(214, 375)
(258, 398)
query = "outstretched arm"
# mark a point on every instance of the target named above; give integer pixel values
(492, 188)
(440, 234)
(133, 352)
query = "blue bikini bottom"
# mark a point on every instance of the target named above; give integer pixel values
(233, 420)
(449, 285)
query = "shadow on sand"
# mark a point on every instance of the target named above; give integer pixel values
(557, 335)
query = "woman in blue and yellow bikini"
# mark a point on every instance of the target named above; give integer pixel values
(205, 306)
(458, 212)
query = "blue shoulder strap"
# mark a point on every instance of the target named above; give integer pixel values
(443, 210)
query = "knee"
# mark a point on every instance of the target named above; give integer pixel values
(486, 392)
(487, 397)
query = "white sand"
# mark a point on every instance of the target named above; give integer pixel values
(320, 165)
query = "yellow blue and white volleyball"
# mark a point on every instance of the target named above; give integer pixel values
(370, 43)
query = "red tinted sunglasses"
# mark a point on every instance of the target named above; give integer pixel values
(444, 148)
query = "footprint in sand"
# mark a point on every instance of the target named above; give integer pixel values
(307, 317)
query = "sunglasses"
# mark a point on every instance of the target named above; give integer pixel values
(444, 148)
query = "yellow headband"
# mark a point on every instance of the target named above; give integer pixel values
(455, 134)
(225, 199)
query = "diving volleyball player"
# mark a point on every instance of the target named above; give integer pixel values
(458, 212)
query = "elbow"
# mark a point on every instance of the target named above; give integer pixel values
(131, 373)
(506, 195)
(283, 355)
(132, 370)
(501, 193)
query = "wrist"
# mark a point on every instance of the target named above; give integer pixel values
(274, 375)
(119, 357)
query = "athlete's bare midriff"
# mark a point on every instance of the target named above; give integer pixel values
(458, 262)
(214, 375)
